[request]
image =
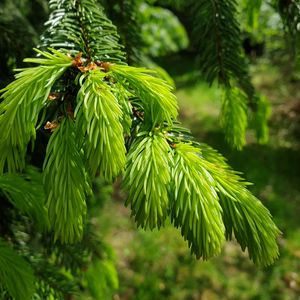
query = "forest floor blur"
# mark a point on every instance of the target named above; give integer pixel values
(157, 265)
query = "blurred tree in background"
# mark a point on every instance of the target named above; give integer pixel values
(212, 41)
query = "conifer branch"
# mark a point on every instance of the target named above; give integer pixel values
(221, 55)
(158, 102)
(234, 116)
(22, 101)
(66, 183)
(147, 178)
(99, 118)
(195, 207)
(126, 16)
(81, 26)
(243, 214)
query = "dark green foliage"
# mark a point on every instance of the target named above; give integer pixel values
(16, 276)
(221, 56)
(81, 25)
(21, 22)
(26, 194)
(290, 15)
(126, 16)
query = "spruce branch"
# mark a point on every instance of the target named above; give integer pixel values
(99, 118)
(243, 214)
(194, 202)
(82, 26)
(125, 14)
(147, 178)
(221, 56)
(234, 116)
(290, 15)
(22, 101)
(158, 102)
(66, 183)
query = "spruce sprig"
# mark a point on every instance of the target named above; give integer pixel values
(147, 179)
(234, 116)
(155, 94)
(99, 118)
(66, 183)
(243, 214)
(22, 101)
(195, 207)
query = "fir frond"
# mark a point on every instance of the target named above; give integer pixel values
(16, 276)
(22, 101)
(220, 57)
(195, 207)
(65, 183)
(125, 14)
(159, 103)
(81, 26)
(243, 214)
(234, 116)
(147, 178)
(290, 15)
(25, 192)
(99, 118)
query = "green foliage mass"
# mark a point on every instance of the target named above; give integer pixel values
(106, 118)
(16, 276)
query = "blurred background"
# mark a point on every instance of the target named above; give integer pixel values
(158, 264)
